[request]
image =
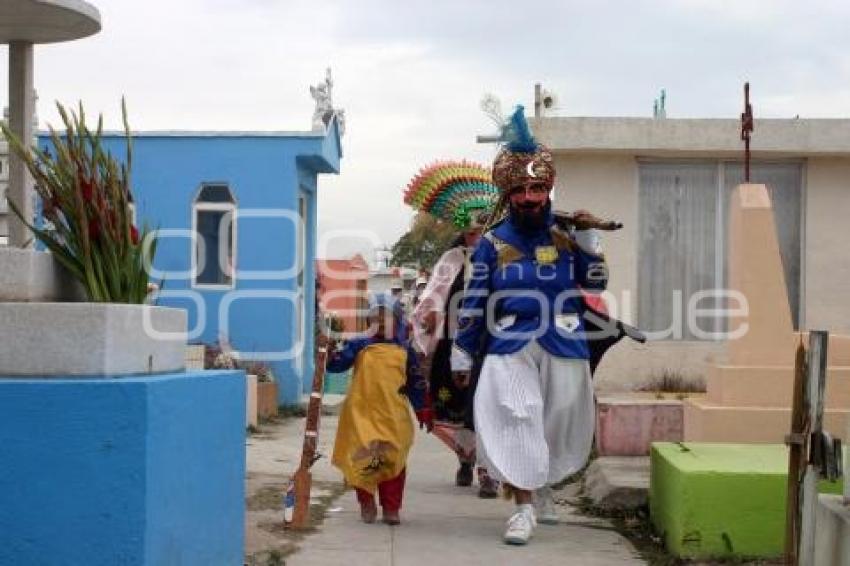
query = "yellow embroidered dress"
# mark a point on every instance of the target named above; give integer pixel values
(375, 430)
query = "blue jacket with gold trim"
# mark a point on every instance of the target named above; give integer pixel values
(525, 286)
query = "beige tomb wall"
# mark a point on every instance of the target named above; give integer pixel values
(598, 170)
(827, 245)
(607, 185)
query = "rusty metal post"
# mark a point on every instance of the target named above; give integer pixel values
(747, 125)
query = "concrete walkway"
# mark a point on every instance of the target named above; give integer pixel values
(441, 524)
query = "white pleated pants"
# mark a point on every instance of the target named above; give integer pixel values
(534, 416)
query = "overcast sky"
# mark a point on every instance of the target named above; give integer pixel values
(410, 75)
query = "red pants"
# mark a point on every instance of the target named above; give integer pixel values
(390, 493)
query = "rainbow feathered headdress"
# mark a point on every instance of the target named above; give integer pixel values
(452, 190)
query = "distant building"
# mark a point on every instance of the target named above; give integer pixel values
(237, 218)
(669, 182)
(342, 285)
(383, 279)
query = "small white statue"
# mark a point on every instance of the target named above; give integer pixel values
(322, 93)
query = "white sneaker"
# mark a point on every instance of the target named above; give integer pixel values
(544, 505)
(520, 526)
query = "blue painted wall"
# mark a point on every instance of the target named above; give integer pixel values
(196, 424)
(135, 471)
(264, 172)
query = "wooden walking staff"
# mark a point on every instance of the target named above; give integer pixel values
(302, 479)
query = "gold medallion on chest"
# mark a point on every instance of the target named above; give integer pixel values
(546, 254)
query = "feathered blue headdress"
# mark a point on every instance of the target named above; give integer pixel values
(517, 134)
(521, 157)
(514, 132)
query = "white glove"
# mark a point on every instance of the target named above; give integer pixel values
(460, 360)
(588, 240)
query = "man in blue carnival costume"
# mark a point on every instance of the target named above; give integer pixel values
(533, 407)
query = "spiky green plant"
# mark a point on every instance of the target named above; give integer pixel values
(85, 196)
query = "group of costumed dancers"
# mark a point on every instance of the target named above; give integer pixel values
(495, 357)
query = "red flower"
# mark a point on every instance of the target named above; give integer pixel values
(94, 229)
(49, 207)
(87, 187)
(134, 235)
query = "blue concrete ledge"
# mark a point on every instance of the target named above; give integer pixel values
(132, 471)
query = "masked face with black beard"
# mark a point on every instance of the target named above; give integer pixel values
(529, 206)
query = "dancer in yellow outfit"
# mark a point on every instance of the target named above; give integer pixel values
(375, 429)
